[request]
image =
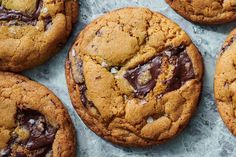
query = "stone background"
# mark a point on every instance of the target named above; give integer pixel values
(205, 136)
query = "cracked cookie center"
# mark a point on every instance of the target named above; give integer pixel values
(144, 77)
(20, 10)
(32, 135)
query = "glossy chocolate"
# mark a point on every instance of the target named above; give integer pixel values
(83, 98)
(41, 135)
(78, 77)
(132, 75)
(8, 15)
(183, 71)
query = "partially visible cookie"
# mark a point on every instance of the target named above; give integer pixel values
(205, 12)
(225, 82)
(33, 121)
(134, 77)
(32, 31)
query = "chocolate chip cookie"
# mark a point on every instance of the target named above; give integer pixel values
(134, 77)
(31, 31)
(225, 82)
(33, 121)
(205, 12)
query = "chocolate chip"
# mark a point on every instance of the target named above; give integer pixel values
(133, 76)
(183, 72)
(8, 15)
(82, 90)
(47, 22)
(83, 97)
(77, 73)
(150, 71)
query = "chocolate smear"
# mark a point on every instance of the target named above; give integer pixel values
(143, 78)
(41, 135)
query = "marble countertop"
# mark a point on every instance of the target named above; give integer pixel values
(205, 136)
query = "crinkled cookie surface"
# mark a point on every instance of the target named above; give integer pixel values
(33, 121)
(31, 31)
(131, 75)
(206, 11)
(225, 84)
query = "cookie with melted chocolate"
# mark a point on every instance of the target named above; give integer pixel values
(225, 82)
(205, 12)
(134, 77)
(32, 31)
(33, 121)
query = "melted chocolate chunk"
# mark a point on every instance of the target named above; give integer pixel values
(79, 79)
(225, 47)
(41, 135)
(133, 75)
(182, 73)
(47, 22)
(8, 15)
(83, 97)
(143, 78)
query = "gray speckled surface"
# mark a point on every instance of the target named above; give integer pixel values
(206, 134)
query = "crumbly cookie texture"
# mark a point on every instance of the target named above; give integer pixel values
(206, 12)
(131, 75)
(225, 85)
(32, 31)
(33, 121)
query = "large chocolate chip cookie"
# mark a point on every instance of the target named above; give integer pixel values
(206, 11)
(33, 121)
(31, 31)
(134, 77)
(225, 82)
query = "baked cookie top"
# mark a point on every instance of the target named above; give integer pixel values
(225, 84)
(131, 75)
(205, 12)
(31, 31)
(33, 121)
